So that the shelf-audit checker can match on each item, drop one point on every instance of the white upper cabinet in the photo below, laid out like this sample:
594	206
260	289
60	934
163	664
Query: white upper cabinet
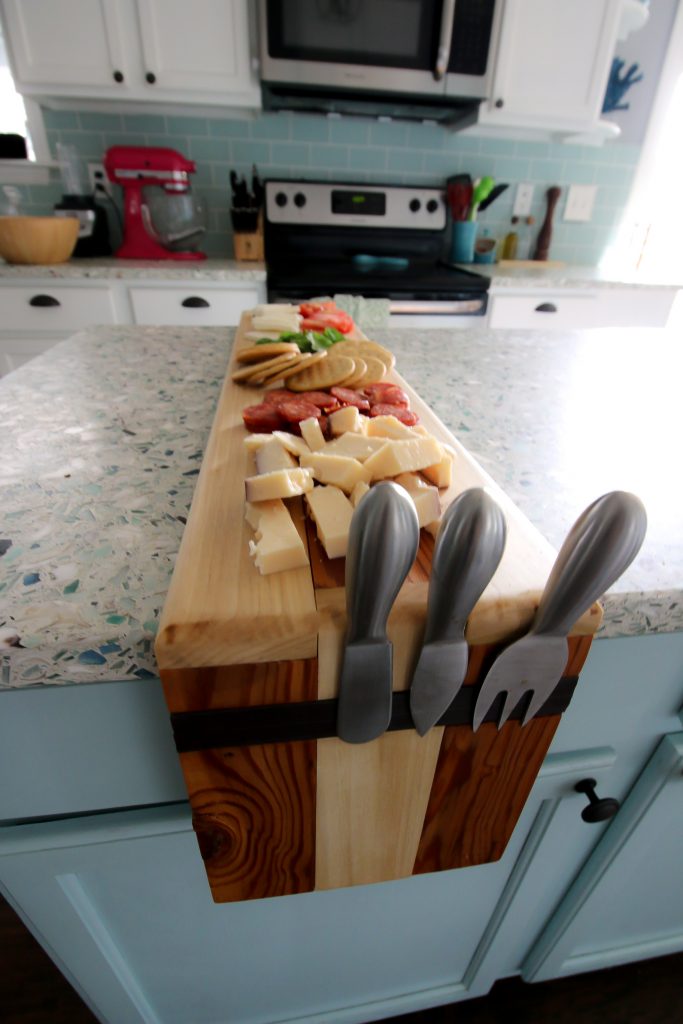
139	51
552	64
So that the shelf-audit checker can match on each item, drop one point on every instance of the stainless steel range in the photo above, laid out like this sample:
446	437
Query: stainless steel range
374	241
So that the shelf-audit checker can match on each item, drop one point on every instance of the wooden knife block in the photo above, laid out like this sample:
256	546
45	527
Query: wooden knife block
278	818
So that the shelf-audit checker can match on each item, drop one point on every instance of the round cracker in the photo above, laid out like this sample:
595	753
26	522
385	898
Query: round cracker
247	372
376	351
359	371
306	359
259	353
375	371
344	348
327	374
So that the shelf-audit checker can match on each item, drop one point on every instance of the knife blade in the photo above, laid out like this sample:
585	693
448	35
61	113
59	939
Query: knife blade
600	546
467	552
383	541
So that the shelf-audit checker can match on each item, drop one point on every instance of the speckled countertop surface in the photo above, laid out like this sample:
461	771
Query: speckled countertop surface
576	277
111	269
103	440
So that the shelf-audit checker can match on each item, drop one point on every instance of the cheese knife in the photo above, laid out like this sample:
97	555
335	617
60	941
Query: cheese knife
600	546
468	549
383	541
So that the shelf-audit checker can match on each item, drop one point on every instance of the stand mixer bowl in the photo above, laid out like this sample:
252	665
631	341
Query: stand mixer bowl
177	220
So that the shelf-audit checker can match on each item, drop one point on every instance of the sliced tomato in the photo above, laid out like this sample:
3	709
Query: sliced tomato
386	393
310	308
338	319
347	396
399	411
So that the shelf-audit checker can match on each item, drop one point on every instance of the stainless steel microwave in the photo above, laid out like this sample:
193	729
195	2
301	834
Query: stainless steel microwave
397	52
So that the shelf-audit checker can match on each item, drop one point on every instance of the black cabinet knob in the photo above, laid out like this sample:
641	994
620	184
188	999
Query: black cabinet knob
546	307
299	199
118	76
150	77
195	302
499	103
281	199
432	206
43	300
598	809
415	205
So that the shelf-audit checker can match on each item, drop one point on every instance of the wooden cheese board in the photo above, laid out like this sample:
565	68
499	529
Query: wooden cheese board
239	651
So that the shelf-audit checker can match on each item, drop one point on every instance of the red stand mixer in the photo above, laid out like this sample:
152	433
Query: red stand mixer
162	219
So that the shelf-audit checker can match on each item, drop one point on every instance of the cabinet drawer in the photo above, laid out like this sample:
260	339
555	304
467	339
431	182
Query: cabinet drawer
43	307
547	311
192	307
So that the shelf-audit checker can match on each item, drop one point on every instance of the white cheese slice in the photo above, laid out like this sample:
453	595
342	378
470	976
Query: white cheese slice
356	446
282	483
403	457
276	322
296	445
254	441
273	307
312	434
272	455
389	426
441	473
331	512
425	498
359	490
278	545
346	419
338	470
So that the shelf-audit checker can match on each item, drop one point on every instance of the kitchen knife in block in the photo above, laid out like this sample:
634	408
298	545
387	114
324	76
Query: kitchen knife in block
468	549
383	542
600	546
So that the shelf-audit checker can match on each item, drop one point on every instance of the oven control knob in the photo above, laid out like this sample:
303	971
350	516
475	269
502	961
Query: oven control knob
432	206
299	199
281	199
415	205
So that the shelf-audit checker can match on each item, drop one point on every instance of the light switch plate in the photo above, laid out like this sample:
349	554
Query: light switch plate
523	199
580	202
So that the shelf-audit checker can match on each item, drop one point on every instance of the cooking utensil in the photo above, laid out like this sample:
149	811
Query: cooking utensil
459	199
482	190
601	544
383	542
493	195
469	546
546	233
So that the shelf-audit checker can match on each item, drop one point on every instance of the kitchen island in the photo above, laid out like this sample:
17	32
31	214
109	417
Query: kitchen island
105	437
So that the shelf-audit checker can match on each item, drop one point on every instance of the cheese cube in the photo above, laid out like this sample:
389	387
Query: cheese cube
272	455
359	490
312	434
254	441
296	445
425	498
278	545
403	457
335	469
441	473
389	426
331	511
356	446
282	483
348	418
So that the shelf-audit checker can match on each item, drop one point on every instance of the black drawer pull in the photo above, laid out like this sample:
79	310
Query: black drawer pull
195	302
43	300
150	77
546	307
598	809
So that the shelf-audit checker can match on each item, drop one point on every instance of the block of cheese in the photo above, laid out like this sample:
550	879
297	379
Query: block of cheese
389	426
425	498
396	457
359	490
346	419
252	442
276	321
441	473
278	545
272	455
282	483
356	446
331	512
296	445
312	434
338	470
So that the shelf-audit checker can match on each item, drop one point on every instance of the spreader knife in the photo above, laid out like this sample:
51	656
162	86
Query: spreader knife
383	541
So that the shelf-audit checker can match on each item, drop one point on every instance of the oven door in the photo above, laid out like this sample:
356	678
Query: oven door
381	46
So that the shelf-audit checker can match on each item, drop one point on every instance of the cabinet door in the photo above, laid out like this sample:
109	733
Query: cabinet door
202	46
627	902
15	351
70	42
553	62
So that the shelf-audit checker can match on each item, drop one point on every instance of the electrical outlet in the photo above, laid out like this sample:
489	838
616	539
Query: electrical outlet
580	201
99	181
523	200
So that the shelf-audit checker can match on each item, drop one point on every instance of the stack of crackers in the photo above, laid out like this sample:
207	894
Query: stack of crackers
352	364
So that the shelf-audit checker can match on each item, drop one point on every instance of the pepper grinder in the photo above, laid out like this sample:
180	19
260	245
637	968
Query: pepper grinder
546	232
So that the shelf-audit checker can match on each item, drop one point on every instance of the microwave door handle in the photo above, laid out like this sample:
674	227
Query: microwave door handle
444	52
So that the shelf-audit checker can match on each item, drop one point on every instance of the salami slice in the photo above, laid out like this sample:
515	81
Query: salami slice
279	395
262	419
399	411
386	393
347	396
298	410
324	400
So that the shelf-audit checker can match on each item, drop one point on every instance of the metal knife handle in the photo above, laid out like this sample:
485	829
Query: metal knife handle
383	542
443	54
600	546
468	549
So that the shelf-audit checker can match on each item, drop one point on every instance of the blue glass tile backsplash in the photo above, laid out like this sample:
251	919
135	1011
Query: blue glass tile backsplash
309	146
